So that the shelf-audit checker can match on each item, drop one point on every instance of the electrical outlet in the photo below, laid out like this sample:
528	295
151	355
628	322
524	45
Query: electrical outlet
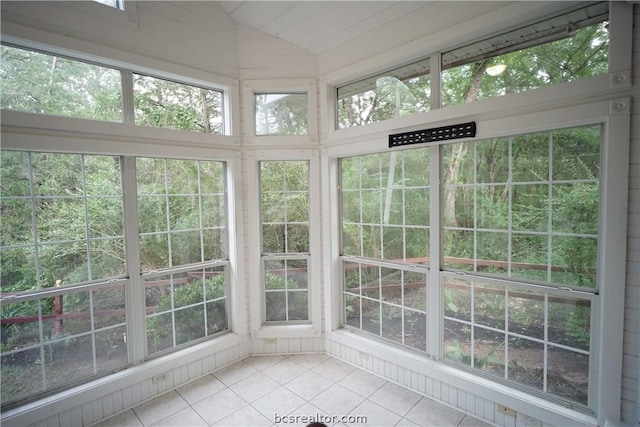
504	410
531	422
269	340
159	378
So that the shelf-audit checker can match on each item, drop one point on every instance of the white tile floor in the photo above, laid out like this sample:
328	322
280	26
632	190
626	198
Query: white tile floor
298	389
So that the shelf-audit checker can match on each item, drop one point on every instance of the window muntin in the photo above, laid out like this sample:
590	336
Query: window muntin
167	104
400	92
281	114
181	211
284	205
385	206
185	306
524	207
520	334
42	83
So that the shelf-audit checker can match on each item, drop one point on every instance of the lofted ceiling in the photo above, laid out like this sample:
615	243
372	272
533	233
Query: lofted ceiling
323	26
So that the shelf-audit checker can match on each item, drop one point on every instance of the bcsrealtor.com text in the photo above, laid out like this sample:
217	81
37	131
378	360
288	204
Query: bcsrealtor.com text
319	418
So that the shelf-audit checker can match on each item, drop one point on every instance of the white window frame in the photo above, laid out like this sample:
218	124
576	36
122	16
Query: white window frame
259	328
605	375
251	88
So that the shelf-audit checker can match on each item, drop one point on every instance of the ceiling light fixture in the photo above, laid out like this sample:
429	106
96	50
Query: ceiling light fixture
496	69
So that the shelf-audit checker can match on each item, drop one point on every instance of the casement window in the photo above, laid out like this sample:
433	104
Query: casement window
47	83
284	206
69	260
519	255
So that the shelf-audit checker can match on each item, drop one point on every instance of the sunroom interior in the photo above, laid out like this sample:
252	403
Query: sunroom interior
432	208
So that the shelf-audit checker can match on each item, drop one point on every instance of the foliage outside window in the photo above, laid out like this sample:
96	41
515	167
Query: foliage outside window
284	190
45	83
400	92
63	264
281	114
525	206
571	46
385	206
166	104
182	211
61	226
519	218
40	83
385	217
582	54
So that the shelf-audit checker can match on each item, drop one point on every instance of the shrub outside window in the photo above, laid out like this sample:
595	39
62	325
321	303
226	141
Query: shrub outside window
284	190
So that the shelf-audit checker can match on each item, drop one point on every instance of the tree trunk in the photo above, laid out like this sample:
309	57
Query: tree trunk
460	150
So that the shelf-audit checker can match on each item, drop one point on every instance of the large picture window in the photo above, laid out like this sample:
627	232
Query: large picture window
65	272
519	254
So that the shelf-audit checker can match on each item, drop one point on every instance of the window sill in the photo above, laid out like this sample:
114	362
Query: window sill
286	331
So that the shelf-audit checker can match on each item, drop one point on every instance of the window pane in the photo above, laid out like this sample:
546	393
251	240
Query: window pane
185	307
385	205
539	339
573	55
166	104
51	342
281	114
61	219
542	226
286	290
397	93
179	223
45	84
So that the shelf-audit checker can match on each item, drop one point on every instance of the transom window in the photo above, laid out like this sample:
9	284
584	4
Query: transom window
567	47
281	114
43	83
